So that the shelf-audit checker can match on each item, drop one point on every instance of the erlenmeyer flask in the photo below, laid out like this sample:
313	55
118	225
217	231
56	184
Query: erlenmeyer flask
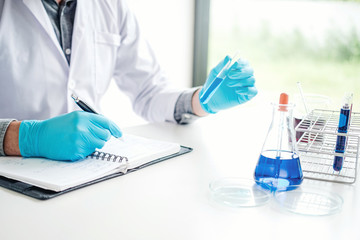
279	164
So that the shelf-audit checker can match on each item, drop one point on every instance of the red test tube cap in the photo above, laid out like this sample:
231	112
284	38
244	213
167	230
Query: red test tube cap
284	100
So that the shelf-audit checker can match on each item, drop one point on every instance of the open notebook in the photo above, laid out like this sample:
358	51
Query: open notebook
33	175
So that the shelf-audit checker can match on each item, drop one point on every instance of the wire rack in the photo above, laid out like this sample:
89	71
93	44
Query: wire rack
316	140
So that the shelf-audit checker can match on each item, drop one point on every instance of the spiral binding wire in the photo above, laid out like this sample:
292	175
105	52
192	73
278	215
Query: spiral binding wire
110	158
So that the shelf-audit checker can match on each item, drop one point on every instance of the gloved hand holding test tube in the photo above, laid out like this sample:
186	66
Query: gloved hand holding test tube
215	84
229	84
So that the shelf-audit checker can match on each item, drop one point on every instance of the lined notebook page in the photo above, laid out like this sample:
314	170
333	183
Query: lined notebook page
55	175
139	150
61	175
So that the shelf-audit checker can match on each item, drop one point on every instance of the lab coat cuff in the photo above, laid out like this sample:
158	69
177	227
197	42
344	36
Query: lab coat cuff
183	112
4	124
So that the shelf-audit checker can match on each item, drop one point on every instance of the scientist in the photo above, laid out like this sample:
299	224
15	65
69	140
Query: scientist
50	49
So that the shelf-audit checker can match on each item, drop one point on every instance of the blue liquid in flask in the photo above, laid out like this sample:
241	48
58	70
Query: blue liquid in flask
278	170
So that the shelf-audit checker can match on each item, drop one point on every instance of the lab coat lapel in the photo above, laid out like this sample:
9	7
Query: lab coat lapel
39	12
80	23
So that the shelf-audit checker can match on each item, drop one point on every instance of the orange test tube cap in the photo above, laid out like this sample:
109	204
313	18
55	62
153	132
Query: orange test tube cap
284	100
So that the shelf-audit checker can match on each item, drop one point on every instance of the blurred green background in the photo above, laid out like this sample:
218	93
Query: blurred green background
316	43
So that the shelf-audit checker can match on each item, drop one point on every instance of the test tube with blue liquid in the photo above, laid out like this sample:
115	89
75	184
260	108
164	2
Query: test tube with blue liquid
278	167
344	121
215	84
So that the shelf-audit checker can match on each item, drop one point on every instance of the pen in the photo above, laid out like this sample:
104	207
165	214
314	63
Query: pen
82	104
215	84
85	107
344	120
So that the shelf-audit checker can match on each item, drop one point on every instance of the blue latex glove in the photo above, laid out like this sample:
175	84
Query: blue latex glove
70	136
237	87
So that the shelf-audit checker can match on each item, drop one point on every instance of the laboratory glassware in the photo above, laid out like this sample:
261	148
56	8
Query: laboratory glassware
317	146
215	84
279	166
344	120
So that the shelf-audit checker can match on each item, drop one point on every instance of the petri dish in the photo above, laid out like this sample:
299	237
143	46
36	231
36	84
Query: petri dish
239	192
309	201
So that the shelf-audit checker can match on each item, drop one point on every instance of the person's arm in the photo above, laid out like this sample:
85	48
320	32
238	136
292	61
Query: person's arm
237	87
7	132
70	136
187	107
196	106
11	139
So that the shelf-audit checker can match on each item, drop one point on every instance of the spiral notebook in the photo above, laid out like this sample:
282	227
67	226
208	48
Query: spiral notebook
43	178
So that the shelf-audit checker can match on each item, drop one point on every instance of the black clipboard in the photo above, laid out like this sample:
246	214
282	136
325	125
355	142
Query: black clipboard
44	194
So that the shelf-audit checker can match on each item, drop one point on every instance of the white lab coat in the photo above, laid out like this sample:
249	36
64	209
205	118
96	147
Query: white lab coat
36	81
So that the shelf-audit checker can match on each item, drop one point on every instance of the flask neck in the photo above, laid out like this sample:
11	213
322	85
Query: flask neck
284	111
281	134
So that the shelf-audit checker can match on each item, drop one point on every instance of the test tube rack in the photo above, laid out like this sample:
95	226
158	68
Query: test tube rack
316	146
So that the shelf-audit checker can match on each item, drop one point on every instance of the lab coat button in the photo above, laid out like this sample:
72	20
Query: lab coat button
67	51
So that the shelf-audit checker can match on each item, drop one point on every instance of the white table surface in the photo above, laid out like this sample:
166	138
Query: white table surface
171	200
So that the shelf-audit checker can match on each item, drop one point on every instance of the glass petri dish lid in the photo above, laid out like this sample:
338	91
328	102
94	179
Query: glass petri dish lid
239	192
309	201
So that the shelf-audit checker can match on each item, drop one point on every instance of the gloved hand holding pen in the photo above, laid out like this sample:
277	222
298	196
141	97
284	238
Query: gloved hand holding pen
236	87
70	136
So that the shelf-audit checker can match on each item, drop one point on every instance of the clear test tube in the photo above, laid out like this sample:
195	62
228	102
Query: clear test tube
215	84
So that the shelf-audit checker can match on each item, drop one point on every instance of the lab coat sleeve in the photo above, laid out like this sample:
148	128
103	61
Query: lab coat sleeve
138	74
4	124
